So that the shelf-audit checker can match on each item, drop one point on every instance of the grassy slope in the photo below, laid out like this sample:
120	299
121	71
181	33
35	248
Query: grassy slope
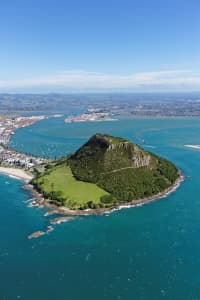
76	193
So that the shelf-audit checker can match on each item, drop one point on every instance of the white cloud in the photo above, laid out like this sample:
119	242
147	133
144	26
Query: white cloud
83	80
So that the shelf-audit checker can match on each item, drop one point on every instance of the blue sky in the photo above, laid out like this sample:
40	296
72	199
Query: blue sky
82	45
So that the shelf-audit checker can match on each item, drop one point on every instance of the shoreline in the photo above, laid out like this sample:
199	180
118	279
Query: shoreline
16	173
40	201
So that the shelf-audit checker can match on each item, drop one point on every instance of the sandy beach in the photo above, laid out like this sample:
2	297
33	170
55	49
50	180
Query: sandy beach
17	173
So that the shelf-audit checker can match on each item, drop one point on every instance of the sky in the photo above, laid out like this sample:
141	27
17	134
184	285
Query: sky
99	45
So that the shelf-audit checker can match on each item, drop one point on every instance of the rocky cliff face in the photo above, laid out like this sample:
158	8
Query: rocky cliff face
138	158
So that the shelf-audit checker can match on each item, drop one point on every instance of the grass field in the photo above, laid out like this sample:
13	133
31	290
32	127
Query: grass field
75	192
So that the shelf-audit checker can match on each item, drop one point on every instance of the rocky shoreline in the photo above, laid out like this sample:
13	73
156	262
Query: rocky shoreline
64	214
42	202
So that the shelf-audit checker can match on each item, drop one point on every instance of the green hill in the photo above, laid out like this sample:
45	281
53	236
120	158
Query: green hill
104	172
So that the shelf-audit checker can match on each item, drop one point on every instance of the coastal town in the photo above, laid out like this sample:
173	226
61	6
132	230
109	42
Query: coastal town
8	125
91	115
12	158
9	157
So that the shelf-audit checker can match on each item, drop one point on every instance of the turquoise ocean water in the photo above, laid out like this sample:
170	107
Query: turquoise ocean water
145	253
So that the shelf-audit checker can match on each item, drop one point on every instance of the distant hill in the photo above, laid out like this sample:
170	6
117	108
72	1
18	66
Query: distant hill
106	171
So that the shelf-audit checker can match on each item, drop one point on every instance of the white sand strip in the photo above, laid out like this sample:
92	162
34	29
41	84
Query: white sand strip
18	173
193	146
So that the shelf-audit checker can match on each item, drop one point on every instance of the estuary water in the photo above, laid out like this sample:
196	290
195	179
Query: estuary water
150	252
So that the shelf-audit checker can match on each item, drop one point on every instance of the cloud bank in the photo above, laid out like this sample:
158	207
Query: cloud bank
72	80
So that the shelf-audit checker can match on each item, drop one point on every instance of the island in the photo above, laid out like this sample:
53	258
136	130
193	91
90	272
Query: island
106	173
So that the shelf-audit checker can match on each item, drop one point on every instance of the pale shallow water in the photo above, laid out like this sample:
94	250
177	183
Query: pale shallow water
146	253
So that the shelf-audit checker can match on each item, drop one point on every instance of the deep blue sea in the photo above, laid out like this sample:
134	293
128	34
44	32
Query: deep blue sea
145	253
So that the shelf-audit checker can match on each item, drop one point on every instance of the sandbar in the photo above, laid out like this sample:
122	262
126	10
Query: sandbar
193	146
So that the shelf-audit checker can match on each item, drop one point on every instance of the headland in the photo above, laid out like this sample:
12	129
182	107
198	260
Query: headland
106	173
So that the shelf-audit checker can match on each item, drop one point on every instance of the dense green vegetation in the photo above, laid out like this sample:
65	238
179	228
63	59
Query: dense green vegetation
122	168
104	172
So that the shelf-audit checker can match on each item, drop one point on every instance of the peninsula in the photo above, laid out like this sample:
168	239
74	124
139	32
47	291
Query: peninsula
9	124
105	173
90	117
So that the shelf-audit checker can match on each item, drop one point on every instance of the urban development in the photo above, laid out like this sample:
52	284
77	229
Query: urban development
8	156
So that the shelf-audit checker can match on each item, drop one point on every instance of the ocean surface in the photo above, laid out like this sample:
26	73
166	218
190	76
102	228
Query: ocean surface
150	252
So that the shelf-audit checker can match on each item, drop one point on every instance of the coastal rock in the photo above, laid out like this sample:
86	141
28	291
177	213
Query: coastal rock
60	220
36	234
